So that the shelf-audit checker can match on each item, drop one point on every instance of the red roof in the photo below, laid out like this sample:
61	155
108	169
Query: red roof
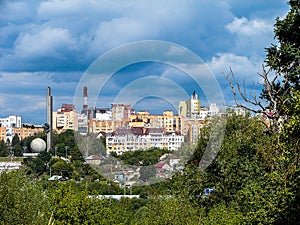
160	164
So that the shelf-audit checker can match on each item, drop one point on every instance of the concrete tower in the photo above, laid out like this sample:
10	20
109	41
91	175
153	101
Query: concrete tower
48	125
85	98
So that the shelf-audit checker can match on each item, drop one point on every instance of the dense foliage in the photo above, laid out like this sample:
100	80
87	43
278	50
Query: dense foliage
142	157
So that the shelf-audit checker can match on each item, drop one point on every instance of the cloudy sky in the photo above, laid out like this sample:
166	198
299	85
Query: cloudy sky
54	42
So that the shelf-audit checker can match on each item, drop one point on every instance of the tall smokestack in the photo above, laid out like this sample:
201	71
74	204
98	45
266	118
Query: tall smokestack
49	119
85	98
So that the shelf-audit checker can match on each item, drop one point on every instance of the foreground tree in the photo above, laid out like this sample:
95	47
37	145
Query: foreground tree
3	149
22	202
280	74
279	102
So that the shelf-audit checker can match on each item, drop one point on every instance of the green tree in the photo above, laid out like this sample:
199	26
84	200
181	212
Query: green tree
146	172
3	149
35	166
22	201
45	156
71	207
17	150
60	167
242	177
68	143
15	140
284	57
280	73
222	214
284	60
168	211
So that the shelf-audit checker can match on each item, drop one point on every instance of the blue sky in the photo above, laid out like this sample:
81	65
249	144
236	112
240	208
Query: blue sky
52	43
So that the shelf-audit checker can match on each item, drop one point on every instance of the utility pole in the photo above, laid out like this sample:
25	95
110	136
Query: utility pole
66	147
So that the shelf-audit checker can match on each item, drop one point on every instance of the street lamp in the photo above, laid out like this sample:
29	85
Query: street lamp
66	147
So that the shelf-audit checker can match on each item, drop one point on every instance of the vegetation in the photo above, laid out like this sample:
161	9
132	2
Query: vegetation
142	157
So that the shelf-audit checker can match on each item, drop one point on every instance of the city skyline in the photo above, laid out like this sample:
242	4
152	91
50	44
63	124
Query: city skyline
52	43
134	111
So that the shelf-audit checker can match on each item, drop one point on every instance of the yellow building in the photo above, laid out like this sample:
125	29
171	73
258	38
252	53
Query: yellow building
167	121
24	132
192	128
3	134
107	126
140	119
66	118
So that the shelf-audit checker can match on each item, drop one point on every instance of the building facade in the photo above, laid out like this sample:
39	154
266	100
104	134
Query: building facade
8	124
107	126
66	118
192	129
26	131
138	138
12	125
120	112
190	108
168	121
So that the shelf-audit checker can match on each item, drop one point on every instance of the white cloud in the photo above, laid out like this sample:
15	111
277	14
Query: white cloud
16	11
242	66
64	8
251	36
67	35
243	26
47	42
25	93
118	31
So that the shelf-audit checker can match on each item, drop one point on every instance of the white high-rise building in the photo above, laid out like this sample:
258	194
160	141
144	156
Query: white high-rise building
82	124
120	112
10	123
190	108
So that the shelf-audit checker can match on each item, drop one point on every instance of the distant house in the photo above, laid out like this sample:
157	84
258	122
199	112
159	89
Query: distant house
173	160
159	167
56	177
162	167
93	159
120	178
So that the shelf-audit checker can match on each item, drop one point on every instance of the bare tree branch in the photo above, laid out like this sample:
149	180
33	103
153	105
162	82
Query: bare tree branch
270	110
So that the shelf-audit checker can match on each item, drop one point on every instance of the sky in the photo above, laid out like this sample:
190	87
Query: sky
55	42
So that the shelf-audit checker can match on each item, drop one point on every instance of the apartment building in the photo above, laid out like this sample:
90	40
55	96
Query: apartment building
121	112
190	108
7	125
168	121
12	125
107	126
65	118
3	134
192	129
139	138
27	131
